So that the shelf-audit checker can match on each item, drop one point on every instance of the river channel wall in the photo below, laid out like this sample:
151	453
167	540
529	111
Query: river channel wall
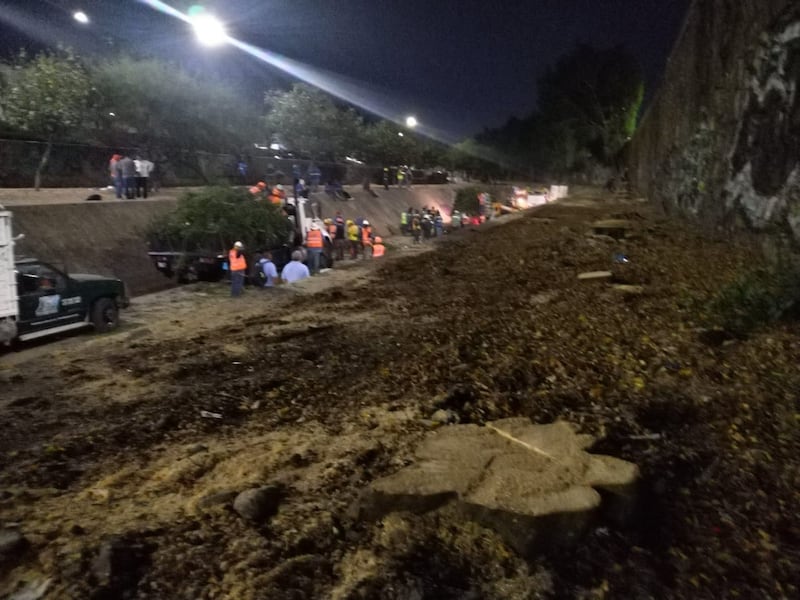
721	141
105	237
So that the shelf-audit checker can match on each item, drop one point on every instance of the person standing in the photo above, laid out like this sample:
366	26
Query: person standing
352	238
340	236
127	171
314	243
143	169
237	265
366	239
295	270
269	272
116	177
386	178
416	229
401	176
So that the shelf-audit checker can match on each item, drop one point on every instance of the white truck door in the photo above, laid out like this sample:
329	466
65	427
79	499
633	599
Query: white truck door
8	279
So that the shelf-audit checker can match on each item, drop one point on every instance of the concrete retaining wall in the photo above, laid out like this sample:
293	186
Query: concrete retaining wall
721	142
105	237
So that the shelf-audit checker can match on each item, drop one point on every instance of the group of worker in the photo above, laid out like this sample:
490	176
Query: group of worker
276	196
265	271
355	236
425	223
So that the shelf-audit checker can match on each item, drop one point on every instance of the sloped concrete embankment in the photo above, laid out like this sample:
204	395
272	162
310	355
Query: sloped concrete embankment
94	238
106	238
382	207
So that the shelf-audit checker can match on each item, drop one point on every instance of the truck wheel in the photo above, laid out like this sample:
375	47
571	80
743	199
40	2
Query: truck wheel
105	315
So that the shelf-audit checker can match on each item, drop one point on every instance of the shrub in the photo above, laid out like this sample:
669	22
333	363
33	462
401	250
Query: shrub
757	298
467	200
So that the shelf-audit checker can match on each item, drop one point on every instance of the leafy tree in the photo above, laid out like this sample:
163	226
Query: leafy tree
47	96
597	94
308	121
383	145
169	112
213	218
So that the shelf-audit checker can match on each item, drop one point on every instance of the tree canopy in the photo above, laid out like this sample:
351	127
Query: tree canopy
47	96
310	122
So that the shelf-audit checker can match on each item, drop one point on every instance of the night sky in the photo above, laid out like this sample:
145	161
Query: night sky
458	65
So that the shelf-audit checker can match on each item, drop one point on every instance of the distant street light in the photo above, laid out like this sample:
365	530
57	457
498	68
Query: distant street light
209	30
411	122
400	133
81	17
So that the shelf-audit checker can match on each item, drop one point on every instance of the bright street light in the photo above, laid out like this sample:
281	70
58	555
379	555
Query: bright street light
411	122
81	17
209	30
400	133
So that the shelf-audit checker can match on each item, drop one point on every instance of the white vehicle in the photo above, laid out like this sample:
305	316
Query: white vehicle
9	309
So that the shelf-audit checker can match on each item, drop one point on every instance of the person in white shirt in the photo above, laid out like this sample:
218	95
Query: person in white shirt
295	270
143	169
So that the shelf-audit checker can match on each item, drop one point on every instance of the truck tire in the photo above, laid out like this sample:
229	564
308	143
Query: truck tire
105	315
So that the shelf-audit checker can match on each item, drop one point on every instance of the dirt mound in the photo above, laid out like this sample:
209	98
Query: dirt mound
107	452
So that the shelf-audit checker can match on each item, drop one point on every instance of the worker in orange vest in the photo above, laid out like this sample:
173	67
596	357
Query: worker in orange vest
366	237
277	196
237	265
378	249
258	190
314	243
331	227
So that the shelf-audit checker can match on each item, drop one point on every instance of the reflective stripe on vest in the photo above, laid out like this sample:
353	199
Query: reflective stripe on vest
236	263
314	239
378	250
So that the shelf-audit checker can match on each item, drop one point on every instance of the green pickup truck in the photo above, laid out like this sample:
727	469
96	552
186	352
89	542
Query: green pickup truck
51	301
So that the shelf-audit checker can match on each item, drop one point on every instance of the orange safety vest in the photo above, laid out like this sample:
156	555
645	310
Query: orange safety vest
378	250
365	231
314	239
236	263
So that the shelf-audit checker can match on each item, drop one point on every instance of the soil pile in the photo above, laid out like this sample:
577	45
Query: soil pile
124	457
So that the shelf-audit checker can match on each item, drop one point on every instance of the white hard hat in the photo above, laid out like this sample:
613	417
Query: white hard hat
365	222
280	187
314	226
238	245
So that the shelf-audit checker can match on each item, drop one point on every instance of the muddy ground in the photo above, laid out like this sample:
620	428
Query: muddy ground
114	485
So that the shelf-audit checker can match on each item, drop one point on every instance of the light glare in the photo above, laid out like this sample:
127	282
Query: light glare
411	122
81	17
209	30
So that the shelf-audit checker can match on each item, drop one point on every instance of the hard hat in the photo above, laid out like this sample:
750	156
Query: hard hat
314	226
238	245
280	187
378	240
328	221
365	222
261	185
